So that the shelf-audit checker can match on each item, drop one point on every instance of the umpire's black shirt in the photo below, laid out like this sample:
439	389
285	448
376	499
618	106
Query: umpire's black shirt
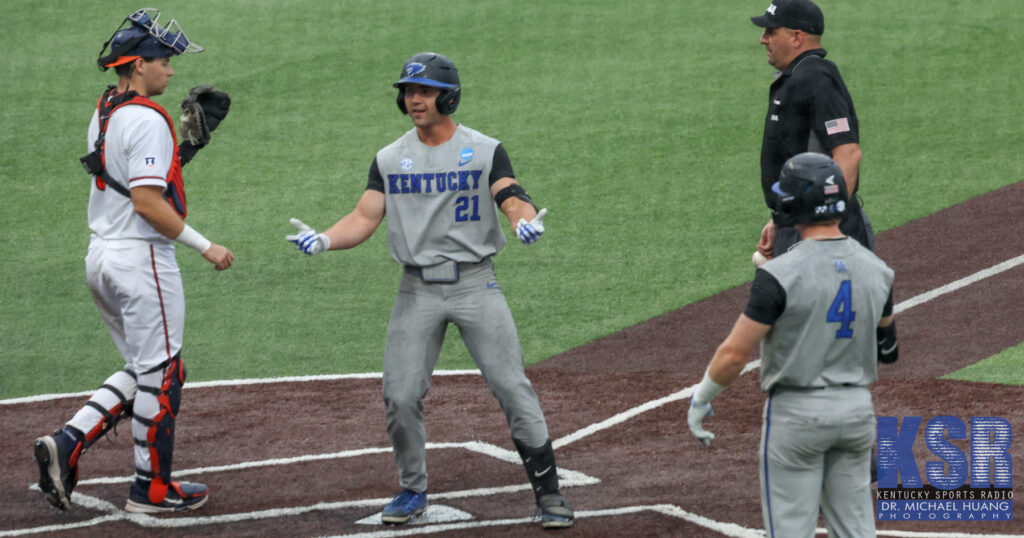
809	109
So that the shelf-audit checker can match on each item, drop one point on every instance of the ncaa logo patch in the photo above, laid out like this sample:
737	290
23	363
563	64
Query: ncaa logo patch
414	69
465	156
405	164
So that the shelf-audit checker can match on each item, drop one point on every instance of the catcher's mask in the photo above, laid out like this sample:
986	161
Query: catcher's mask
810	189
141	36
434	70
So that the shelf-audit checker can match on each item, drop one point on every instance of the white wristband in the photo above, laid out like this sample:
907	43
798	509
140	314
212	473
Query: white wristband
194	239
707	389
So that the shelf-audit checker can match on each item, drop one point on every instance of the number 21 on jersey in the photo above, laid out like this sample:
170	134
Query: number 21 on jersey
842	312
463	212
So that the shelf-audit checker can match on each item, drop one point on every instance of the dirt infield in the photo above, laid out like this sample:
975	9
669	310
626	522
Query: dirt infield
614	407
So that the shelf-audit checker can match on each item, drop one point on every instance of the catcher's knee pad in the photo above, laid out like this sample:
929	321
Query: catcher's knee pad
111	403
540	467
165	385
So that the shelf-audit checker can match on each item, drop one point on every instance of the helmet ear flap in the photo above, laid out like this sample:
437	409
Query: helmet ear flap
401	99
448	101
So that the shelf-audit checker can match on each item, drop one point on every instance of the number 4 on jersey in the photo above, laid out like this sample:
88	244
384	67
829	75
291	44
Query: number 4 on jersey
842	312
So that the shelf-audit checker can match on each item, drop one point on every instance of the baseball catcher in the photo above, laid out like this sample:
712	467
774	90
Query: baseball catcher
132	269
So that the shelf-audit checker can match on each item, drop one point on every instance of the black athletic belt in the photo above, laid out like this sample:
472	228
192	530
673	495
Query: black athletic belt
804	389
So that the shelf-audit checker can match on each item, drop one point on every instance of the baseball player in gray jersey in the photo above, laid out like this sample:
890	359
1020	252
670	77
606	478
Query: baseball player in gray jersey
823	316
441	185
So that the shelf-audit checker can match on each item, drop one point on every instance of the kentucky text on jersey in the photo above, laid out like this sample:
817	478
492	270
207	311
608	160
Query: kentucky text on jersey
434	182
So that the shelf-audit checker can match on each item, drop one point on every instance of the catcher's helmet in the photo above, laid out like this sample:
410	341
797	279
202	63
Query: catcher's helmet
431	69
810	189
143	37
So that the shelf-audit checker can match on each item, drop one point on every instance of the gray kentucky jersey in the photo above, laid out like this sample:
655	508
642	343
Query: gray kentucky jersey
438	199
836	291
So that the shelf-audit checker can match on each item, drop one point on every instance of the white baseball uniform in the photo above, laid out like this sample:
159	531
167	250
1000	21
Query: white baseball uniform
131	268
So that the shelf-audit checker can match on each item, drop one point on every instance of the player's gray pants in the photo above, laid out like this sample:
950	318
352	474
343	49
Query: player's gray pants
418	323
816	449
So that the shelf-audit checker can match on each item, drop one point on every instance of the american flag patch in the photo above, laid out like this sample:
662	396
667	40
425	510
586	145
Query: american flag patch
840	125
831	189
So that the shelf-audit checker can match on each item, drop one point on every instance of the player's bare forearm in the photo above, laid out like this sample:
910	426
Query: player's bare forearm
150	204
734	352
847	156
514	208
360	224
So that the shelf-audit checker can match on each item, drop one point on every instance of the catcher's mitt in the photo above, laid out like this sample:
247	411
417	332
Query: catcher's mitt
201	112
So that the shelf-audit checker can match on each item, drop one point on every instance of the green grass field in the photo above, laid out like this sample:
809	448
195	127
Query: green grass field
637	124
1006	367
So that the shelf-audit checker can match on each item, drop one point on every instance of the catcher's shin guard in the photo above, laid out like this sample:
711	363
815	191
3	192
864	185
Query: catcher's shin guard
158	444
111	403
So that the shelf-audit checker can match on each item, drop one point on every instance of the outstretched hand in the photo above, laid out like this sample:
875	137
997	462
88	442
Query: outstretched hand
530	232
307	239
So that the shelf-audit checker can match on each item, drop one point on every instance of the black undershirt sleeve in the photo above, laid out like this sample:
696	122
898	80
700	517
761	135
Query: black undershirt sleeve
501	166
767	299
376	181
887	309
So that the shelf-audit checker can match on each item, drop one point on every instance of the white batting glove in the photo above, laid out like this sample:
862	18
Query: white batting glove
529	232
695	418
307	239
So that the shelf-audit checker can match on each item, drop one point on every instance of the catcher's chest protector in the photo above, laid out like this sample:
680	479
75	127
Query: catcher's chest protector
107	105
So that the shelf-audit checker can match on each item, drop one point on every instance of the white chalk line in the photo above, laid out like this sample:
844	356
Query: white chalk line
236	383
958	284
567	477
572	478
905	305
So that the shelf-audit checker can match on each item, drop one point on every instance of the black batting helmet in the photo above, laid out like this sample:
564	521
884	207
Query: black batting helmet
431	69
810	189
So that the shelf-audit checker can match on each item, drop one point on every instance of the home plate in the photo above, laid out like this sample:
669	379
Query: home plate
435	513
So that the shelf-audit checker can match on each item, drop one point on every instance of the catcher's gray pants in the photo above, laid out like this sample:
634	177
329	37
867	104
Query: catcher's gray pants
816	450
419	320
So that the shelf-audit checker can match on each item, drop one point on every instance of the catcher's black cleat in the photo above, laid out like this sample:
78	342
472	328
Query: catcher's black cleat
554	511
180	497
57	456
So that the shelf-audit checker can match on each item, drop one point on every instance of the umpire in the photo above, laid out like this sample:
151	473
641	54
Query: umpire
809	109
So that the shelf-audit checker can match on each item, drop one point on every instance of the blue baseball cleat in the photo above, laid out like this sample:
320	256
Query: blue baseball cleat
404	507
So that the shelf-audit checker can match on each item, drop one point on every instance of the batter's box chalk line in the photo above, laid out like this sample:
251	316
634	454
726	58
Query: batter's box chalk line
435	514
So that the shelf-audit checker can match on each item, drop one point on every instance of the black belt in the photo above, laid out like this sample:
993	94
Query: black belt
791	387
446	272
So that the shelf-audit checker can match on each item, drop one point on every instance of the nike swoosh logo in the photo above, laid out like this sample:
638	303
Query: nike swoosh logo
463	163
491	284
539	474
888	351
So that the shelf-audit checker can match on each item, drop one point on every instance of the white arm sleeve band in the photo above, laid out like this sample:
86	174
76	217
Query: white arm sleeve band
707	389
194	239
